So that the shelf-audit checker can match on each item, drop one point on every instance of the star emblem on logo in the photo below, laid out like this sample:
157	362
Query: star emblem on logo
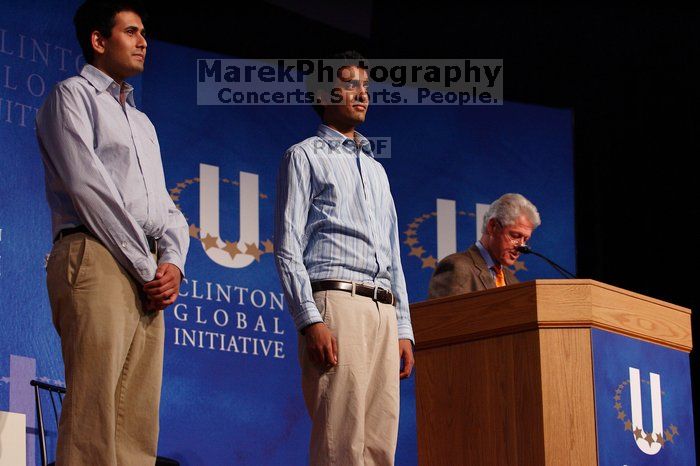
651	437
214	242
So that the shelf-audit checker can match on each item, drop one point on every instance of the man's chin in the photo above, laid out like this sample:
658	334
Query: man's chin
136	68
508	261
359	118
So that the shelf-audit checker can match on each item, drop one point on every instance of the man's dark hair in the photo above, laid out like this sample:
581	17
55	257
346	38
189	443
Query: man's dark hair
344	59
98	15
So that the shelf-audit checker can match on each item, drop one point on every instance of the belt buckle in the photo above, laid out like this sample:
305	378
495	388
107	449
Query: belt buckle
376	289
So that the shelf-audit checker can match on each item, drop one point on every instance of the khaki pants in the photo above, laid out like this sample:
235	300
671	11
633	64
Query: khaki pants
113	357
354	406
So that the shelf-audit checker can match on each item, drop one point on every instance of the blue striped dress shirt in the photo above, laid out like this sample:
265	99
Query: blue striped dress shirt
335	219
103	170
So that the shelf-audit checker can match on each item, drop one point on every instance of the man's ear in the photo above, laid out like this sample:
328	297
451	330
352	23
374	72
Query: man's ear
333	96
323	96
326	100
98	42
491	226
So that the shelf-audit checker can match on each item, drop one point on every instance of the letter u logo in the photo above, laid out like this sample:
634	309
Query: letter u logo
447	225
648	447
209	216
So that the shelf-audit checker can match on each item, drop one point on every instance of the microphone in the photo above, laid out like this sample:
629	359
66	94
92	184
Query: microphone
523	249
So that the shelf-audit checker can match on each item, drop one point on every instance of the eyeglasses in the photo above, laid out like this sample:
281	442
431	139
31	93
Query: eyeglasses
514	237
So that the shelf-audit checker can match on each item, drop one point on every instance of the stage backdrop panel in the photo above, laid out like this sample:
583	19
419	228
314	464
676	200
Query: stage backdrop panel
231	391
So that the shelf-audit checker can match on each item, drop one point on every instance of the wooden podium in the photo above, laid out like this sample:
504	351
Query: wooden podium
505	376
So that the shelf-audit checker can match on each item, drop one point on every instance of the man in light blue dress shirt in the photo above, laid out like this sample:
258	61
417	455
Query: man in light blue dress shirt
338	256
119	245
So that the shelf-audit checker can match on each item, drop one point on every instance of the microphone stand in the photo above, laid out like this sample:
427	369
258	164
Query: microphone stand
564	273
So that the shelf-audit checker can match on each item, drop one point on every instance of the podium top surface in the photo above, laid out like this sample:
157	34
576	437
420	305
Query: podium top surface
542	304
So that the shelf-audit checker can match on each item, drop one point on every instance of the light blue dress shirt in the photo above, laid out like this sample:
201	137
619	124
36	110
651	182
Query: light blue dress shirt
335	219
103	170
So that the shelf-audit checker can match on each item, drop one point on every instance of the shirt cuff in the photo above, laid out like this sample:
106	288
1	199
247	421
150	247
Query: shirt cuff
307	315
146	269
406	331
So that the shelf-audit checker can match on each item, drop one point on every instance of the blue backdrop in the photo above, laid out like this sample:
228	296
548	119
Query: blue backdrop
231	391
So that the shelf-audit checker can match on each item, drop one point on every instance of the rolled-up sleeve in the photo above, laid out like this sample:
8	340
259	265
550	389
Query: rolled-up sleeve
66	141
291	213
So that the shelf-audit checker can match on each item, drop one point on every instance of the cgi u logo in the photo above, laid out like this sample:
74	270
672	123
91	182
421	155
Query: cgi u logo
650	448
209	215
447	226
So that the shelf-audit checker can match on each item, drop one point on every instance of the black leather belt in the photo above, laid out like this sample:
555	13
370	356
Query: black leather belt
376	293
152	243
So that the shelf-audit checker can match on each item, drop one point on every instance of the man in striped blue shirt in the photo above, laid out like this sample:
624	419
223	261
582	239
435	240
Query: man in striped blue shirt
338	257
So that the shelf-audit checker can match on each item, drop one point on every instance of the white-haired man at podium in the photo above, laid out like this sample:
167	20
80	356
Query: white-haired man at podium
508	224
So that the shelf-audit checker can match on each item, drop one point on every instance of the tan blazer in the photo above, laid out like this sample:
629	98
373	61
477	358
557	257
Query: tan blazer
464	272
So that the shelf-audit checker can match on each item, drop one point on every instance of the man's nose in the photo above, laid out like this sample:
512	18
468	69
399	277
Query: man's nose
363	96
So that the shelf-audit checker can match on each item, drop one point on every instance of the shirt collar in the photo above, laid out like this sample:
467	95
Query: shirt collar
102	83
485	254
334	139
